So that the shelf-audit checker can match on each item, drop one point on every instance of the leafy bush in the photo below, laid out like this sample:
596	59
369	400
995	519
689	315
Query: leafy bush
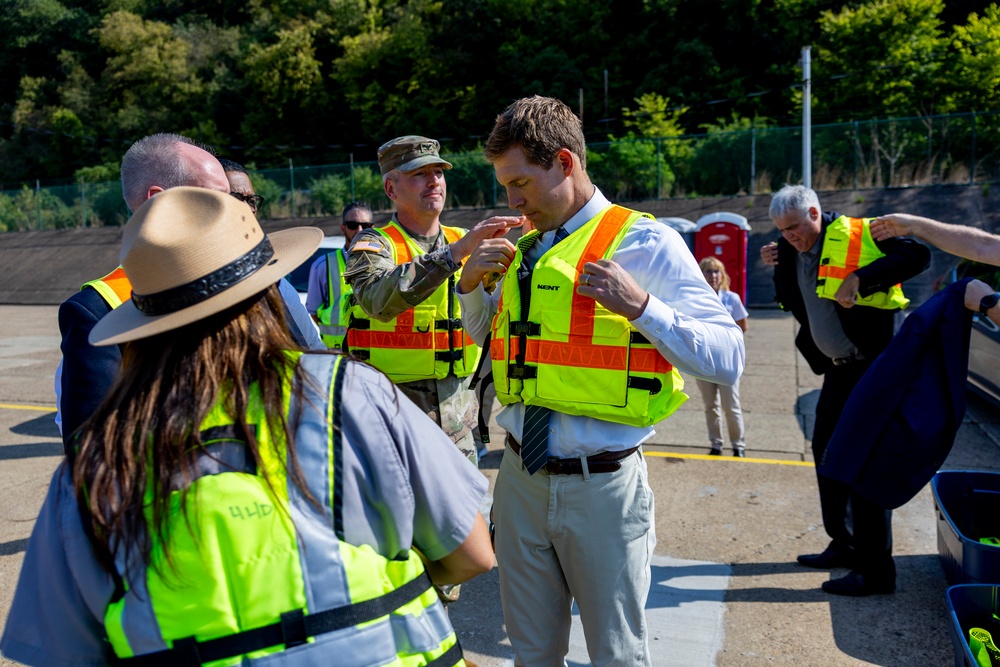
332	192
630	169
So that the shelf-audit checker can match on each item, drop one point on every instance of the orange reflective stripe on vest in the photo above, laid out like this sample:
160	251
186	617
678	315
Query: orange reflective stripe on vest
426	341
852	260
403	253
115	287
567	352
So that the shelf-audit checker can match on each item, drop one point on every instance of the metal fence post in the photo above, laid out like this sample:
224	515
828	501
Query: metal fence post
857	147
353	198
38	201
83	204
291	181
659	176
972	166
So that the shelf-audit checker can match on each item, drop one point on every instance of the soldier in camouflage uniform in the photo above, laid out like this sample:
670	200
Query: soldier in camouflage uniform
413	177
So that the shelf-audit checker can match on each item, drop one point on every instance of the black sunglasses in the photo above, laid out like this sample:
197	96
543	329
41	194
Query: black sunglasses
352	225
254	201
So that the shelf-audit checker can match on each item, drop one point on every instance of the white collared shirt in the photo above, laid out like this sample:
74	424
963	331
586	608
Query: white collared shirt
684	319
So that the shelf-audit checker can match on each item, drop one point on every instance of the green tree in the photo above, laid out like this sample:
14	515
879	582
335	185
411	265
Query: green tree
889	55
975	77
630	169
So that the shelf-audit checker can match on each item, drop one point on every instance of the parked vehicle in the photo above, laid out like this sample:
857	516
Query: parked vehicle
299	278
984	345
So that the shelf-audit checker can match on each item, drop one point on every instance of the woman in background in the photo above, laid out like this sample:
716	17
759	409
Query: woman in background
711	393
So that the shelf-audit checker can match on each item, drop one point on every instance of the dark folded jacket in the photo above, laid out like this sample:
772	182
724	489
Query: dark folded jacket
900	422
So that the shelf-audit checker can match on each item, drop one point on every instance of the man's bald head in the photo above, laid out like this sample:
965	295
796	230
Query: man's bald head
163	161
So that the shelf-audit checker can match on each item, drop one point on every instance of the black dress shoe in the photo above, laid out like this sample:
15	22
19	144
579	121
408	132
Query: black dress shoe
715	452
739	453
832	557
857	584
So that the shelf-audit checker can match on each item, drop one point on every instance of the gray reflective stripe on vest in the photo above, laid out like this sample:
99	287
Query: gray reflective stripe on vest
317	449
314	421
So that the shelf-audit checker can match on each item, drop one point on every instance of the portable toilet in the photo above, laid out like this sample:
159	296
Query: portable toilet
725	237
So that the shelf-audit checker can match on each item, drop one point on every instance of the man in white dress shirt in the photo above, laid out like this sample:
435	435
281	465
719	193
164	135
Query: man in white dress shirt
587	337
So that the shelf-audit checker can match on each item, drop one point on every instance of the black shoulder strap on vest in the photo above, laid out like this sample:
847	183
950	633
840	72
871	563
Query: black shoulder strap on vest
483	382
294	628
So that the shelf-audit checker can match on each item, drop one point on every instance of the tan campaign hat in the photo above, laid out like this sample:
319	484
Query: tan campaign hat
191	253
409	153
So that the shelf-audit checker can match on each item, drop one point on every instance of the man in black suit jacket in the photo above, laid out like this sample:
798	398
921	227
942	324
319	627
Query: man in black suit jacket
153	164
839	339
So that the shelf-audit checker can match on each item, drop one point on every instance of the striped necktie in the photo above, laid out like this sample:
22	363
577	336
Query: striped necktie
535	433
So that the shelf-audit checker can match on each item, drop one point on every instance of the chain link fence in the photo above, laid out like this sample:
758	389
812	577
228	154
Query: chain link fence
896	153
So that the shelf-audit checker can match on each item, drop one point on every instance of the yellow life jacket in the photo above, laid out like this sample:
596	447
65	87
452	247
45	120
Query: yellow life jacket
333	323
427	341
568	352
260	574
114	287
847	246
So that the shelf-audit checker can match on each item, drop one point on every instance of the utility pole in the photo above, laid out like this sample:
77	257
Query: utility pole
806	120
605	93
581	106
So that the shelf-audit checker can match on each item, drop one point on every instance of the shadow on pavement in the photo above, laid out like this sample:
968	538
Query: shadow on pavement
13	547
42	427
31	451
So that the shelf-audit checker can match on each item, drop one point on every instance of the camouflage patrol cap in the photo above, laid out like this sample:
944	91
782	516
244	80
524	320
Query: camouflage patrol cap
409	153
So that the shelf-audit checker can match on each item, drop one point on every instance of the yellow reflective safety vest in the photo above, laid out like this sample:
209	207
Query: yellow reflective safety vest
553	347
333	313
425	342
115	287
260	574
847	246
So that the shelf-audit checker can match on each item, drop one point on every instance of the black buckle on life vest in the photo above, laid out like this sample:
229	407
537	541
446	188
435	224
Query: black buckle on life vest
636	338
820	282
652	385
521	372
453	355
824	261
293	628
525	329
363	355
448	325
359	324
186	652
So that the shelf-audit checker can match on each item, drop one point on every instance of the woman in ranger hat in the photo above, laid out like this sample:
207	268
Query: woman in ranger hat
235	500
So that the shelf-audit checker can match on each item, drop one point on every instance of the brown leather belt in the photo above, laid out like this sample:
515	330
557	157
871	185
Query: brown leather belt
603	462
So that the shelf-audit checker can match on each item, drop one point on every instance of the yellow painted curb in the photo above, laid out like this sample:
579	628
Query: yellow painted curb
14	406
709	457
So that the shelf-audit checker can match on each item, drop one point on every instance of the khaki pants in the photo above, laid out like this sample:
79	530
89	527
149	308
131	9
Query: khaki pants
583	537
711	394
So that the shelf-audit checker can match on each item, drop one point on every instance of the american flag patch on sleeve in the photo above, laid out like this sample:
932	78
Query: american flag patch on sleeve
367	246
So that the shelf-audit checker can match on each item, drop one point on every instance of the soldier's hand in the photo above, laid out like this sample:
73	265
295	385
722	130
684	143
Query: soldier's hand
611	286
769	254
492	228
897	224
492	256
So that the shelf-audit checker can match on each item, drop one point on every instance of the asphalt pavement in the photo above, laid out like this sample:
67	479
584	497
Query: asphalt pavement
726	589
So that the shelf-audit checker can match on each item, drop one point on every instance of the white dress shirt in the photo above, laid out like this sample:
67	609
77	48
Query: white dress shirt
684	319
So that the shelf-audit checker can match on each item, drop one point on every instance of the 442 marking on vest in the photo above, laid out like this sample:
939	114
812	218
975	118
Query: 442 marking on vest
255	511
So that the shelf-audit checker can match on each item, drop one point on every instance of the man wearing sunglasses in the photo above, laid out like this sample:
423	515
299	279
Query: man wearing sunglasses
329	297
240	185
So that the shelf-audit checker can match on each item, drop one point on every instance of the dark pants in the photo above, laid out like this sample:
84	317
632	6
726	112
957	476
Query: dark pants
849	518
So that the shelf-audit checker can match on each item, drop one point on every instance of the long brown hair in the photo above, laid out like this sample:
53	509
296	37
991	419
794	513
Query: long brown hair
147	429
